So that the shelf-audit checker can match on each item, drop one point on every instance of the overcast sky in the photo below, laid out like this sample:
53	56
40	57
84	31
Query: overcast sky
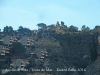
28	13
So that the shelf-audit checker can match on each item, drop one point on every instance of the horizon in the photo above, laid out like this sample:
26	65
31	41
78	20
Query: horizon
28	13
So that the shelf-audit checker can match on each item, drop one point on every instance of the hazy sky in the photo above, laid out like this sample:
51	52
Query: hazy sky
28	13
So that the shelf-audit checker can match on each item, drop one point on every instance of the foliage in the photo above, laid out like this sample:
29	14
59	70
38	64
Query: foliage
18	49
25	31
8	30
41	25
74	45
94	47
85	29
73	29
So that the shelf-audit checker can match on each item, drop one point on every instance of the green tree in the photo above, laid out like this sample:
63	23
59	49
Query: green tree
85	29
41	25
8	30
73	29
18	49
25	31
5	30
20	30
94	47
97	28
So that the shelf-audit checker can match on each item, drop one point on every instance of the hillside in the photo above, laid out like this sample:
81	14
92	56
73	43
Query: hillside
52	47
94	68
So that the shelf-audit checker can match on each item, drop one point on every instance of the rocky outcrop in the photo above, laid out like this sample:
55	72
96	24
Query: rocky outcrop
94	68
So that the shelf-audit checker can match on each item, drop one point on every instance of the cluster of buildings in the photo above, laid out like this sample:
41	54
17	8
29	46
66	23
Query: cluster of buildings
19	63
43	53
4	50
7	41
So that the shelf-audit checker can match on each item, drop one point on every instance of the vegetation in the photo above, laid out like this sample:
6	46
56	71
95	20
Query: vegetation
17	49
94	47
66	46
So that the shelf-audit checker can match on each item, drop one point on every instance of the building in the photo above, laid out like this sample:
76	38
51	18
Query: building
2	50
26	41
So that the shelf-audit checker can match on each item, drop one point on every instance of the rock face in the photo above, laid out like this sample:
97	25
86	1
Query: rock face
94	68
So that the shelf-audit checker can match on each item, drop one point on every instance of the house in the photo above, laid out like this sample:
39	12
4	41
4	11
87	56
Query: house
2	51
42	57
3	54
1	40
8	40
7	52
27	41
44	53
30	41
32	53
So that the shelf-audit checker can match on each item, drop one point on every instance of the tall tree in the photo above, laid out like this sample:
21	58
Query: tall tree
20	30
8	30
41	25
73	29
85	29
5	30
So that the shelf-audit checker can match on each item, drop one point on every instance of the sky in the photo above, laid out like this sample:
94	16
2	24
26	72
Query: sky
28	13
